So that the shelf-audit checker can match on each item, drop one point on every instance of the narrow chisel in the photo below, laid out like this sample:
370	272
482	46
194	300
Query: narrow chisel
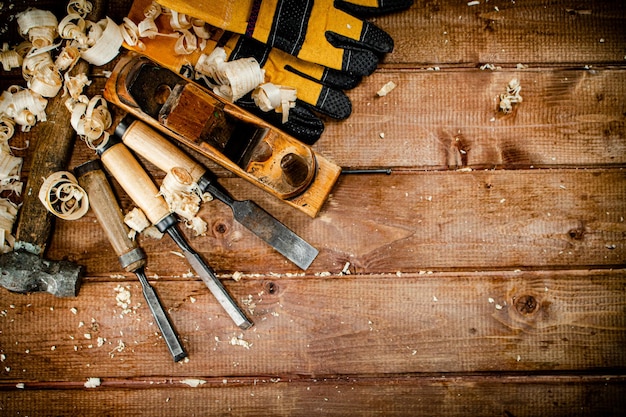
131	176
151	145
132	258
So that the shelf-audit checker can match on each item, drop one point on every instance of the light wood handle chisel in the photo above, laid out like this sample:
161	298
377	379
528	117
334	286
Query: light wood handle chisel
132	258
131	176
157	149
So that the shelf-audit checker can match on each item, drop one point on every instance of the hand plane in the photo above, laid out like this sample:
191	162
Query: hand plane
230	136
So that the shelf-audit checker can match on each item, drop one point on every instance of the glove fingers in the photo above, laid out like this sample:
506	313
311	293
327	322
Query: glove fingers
361	56
364	8
333	103
303	124
317	86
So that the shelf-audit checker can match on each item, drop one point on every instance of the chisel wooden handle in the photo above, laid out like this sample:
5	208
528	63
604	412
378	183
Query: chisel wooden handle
134	180
133	259
150	144
104	204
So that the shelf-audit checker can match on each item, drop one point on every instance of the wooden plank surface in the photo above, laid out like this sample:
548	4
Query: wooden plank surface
484	276
327	327
489	219
406	396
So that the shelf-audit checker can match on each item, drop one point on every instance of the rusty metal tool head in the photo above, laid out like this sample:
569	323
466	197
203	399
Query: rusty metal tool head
25	269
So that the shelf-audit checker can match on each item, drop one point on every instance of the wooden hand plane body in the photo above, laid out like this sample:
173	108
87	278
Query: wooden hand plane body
230	136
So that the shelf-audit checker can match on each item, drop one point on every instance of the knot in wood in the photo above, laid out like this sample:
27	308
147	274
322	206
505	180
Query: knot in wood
526	304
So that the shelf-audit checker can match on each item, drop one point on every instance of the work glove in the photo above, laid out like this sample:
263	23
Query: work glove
319	31
318	89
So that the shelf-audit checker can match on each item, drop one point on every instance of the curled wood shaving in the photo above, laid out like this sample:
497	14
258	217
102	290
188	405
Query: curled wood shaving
38	26
182	196
511	97
73	27
46	81
33	62
10	58
139	223
90	119
279	98
7	128
233	79
179	21
8	213
68	57
73	86
105	39
63	197
10	166
23	106
79	7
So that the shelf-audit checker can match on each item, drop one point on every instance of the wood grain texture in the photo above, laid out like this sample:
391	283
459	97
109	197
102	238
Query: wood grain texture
450	118
406	396
483	219
336	326
485	276
536	32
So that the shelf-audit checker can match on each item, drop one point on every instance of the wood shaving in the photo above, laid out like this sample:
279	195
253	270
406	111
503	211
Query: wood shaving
90	118
93	383
269	96
194	383
123	299
63	197
38	26
230	79
386	89
10	58
511	97
239	341
105	38
183	198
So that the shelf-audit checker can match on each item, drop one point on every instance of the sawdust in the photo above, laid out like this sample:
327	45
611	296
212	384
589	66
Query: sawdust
239	341
93	383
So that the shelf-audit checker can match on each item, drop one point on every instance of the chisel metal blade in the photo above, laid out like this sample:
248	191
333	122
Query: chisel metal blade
212	282
273	232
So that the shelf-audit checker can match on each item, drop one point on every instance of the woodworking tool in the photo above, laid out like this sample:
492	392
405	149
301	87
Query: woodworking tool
25	269
230	136
121	163
148	143
131	257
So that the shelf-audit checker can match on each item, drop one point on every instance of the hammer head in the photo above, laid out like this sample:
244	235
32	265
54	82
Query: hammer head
23	272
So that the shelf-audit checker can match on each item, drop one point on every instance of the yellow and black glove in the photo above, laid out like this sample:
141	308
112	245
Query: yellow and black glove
318	89
318	31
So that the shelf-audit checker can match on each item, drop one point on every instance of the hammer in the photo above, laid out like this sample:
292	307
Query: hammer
25	269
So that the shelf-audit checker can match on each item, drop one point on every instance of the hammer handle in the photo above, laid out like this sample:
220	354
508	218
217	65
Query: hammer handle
104	204
150	144
135	181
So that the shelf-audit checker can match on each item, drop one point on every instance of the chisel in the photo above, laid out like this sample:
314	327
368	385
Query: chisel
121	163
132	257
150	144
